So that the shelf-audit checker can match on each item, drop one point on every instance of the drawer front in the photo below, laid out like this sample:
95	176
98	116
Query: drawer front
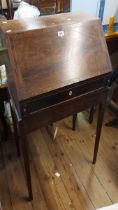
60	111
37	104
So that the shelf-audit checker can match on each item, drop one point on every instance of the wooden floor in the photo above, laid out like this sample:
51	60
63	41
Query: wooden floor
63	176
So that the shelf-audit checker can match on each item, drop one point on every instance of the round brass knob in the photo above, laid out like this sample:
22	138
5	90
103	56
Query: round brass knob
70	93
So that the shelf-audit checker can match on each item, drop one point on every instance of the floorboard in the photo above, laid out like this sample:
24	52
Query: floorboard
63	177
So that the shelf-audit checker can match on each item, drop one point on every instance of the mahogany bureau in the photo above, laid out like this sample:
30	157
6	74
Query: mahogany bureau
56	66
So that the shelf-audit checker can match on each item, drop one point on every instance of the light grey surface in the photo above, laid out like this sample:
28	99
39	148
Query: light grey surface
111	207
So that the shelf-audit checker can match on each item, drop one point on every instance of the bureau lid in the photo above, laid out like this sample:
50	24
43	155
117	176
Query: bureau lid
27	24
50	53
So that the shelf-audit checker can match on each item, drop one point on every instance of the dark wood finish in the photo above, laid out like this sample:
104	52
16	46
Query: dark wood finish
44	4
64	6
98	131
74	121
3	97
28	74
47	4
56	67
26	159
92	110
112	44
16	134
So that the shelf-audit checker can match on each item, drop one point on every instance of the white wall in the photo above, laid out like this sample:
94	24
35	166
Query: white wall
88	6
92	7
111	9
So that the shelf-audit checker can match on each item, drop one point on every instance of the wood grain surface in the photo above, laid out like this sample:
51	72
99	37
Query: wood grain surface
42	60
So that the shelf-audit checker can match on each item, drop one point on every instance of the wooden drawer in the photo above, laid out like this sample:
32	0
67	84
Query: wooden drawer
38	103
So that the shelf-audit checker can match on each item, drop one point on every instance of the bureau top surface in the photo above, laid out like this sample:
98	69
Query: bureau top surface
15	26
49	53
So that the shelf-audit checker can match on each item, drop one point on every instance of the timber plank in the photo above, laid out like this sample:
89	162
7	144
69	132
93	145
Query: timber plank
5	201
106	168
16	178
80	184
83	166
52	186
74	189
